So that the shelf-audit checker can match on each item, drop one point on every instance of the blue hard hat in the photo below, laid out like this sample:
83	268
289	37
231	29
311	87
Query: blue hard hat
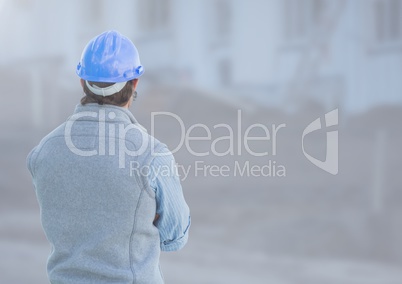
110	57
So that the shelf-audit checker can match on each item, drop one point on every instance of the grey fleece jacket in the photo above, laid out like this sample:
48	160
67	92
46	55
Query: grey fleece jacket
97	213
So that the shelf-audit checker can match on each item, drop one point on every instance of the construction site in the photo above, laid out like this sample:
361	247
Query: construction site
273	217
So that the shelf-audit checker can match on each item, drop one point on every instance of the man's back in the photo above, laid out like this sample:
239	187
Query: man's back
97	215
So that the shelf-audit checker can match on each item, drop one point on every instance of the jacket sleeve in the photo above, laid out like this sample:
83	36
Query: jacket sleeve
174	214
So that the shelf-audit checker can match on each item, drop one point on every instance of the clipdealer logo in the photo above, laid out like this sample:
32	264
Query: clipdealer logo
330	164
112	141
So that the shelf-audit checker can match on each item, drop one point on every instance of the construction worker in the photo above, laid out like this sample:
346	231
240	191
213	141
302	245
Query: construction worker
108	205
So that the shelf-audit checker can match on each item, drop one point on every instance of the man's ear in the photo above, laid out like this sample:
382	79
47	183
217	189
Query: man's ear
135	83
82	82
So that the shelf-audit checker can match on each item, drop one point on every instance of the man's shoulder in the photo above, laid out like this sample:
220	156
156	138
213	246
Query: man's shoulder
58	132
137	133
55	133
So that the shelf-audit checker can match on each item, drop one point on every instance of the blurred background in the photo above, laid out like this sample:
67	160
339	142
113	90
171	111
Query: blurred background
277	61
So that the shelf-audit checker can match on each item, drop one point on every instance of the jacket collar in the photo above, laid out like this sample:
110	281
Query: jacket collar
107	113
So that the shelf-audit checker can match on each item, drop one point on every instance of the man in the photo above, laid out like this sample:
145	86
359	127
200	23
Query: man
108	204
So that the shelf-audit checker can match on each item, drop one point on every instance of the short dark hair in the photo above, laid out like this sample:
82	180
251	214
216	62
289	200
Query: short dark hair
119	99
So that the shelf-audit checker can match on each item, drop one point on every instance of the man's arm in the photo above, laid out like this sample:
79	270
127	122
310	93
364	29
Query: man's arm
172	213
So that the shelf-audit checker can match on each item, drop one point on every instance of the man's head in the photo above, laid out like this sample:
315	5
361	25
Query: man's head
109	69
